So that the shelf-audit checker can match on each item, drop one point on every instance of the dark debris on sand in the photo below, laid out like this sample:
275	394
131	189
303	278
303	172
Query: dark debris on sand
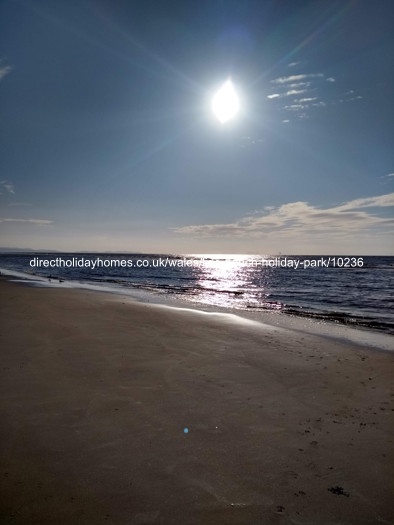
339	491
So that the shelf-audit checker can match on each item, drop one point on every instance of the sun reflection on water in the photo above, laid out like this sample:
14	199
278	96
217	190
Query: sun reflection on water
226	281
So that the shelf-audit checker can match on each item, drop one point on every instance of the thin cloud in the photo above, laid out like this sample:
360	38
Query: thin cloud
297	85
292	86
275	95
4	71
303	100
296	78
295	92
289	93
301	218
294	107
7	186
29	221
248	142
386	179
369	202
309	85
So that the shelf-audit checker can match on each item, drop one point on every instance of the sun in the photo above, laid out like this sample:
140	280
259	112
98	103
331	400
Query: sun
225	103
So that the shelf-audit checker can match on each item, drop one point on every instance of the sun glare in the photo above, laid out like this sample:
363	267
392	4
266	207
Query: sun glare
225	104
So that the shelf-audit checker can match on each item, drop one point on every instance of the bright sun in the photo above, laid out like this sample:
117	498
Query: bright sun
225	104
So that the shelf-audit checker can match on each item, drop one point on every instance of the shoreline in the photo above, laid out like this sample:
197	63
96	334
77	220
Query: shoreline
337	309
340	332
129	413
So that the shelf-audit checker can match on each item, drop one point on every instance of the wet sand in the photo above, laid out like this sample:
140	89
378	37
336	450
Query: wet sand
125	413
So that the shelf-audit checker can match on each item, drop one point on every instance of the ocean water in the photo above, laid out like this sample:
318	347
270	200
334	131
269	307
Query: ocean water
356	291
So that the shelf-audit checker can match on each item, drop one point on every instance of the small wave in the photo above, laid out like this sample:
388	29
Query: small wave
343	318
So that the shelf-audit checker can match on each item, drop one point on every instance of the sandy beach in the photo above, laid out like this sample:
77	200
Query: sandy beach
126	413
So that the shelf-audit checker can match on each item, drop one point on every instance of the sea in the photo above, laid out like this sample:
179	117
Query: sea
354	291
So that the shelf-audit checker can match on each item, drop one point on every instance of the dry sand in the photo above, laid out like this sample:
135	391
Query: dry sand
96	394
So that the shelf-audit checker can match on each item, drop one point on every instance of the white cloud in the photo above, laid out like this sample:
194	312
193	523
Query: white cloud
296	78
308	84
369	202
303	100
275	95
301	218
30	221
295	92
296	85
289	93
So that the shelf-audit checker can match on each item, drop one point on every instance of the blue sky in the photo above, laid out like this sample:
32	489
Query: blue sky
109	142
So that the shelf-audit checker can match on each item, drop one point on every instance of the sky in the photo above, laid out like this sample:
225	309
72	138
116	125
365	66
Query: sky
109	142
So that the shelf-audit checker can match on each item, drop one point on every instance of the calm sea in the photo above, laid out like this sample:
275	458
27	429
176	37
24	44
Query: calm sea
357	291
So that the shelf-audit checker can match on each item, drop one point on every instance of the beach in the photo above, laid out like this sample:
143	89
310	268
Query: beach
119	412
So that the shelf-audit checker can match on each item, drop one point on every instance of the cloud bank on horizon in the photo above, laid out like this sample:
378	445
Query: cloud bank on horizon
339	225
